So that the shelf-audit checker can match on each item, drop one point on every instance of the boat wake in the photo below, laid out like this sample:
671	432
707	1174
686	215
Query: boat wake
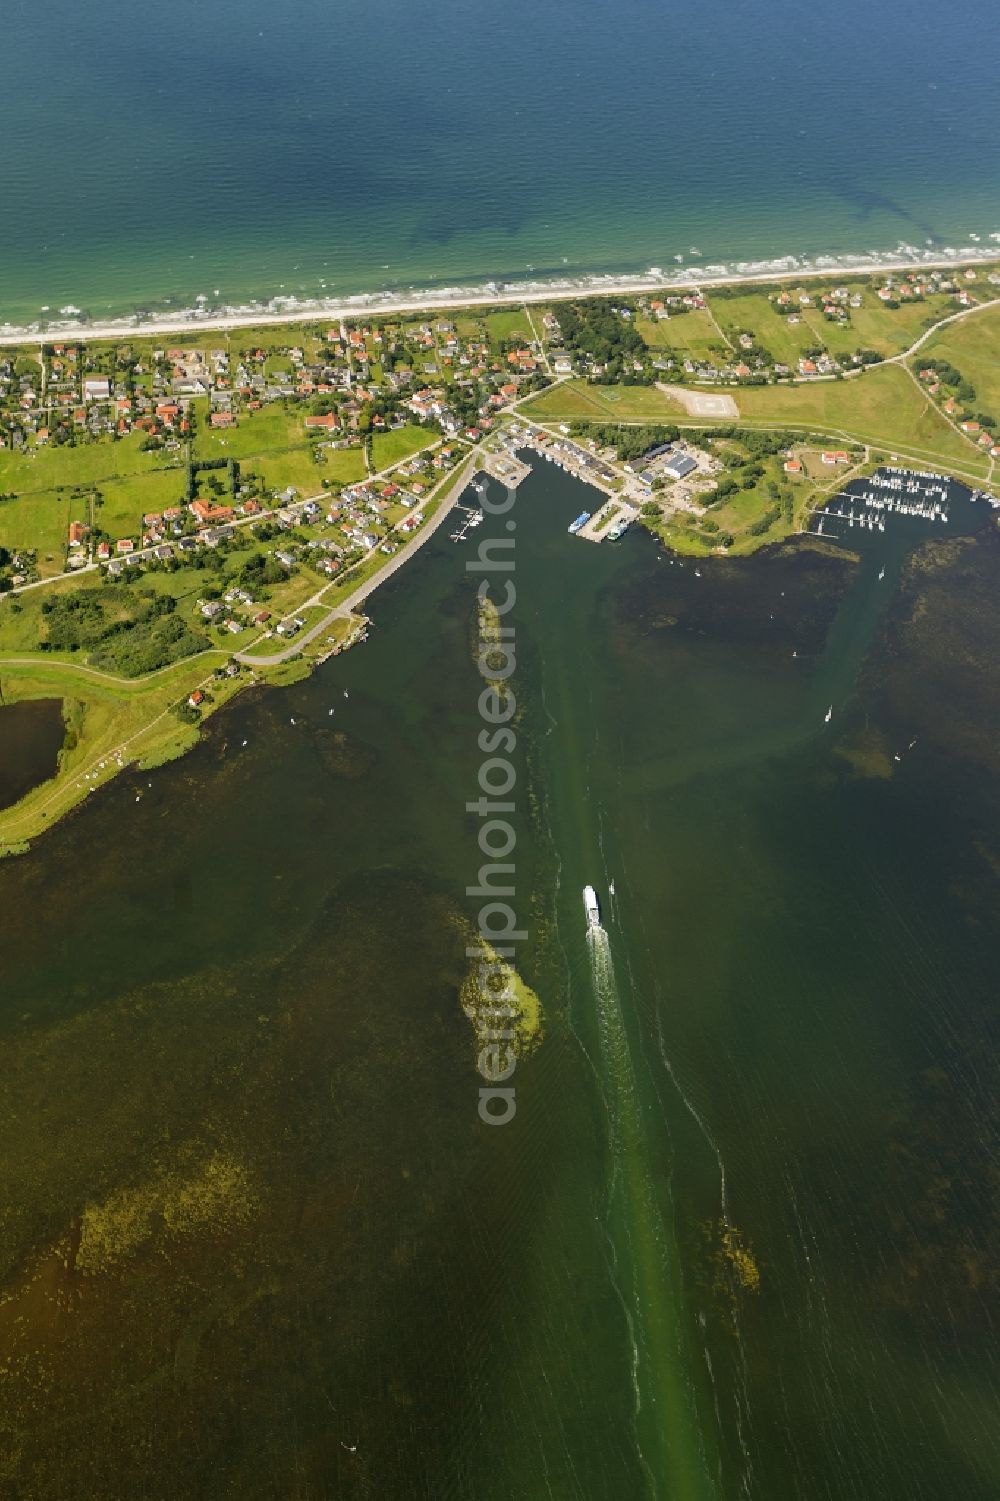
646	1263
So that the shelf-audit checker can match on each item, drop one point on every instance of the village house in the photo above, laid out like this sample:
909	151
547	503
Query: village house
206	512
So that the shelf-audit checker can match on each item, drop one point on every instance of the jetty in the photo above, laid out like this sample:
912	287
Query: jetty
611	521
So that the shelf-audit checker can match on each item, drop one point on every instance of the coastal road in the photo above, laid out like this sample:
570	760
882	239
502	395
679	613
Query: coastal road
348	606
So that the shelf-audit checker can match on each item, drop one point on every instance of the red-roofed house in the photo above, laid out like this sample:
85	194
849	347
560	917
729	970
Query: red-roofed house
207	512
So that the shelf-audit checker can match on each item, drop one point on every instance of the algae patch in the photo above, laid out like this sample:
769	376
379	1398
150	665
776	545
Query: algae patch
214	1194
495	997
730	1267
494	648
867	753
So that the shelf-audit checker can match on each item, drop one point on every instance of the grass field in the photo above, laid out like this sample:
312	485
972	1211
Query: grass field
692	333
274	444
578	399
40	521
40	518
110	718
754	314
274	427
882	408
267	337
508	323
124	502
292	466
872	326
973	347
343	465
58	465
393	447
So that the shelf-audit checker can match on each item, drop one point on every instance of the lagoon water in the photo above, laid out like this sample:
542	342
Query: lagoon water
736	1242
31	737
250	150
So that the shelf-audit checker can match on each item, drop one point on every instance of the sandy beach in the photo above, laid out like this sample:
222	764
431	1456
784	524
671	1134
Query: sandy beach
292	311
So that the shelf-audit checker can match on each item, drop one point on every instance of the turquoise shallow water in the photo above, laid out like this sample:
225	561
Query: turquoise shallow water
247	149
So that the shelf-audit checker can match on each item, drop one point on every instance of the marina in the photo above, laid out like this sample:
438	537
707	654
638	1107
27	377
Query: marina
473	518
889	496
569	456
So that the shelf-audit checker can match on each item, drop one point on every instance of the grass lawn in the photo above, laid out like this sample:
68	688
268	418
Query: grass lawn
890	330
293	466
871	326
692	333
41	521
124	502
882	408
392	447
274	427
85	464
273	443
509	323
268	337
468	326
578	399
346	466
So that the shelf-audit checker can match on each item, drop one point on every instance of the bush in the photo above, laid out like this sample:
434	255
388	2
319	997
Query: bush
125	631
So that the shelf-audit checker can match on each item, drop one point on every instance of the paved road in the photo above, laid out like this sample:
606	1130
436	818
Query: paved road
349	605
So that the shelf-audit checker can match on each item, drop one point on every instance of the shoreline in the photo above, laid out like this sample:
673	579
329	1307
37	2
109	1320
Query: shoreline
96	760
292	310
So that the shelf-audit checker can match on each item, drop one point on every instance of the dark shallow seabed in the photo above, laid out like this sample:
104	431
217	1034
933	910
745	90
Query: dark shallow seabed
256	1242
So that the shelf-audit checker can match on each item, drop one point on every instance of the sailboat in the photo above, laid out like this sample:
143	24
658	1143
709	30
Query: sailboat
829	715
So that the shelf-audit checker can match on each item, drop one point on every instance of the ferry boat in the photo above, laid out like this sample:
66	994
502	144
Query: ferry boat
581	520
592	907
